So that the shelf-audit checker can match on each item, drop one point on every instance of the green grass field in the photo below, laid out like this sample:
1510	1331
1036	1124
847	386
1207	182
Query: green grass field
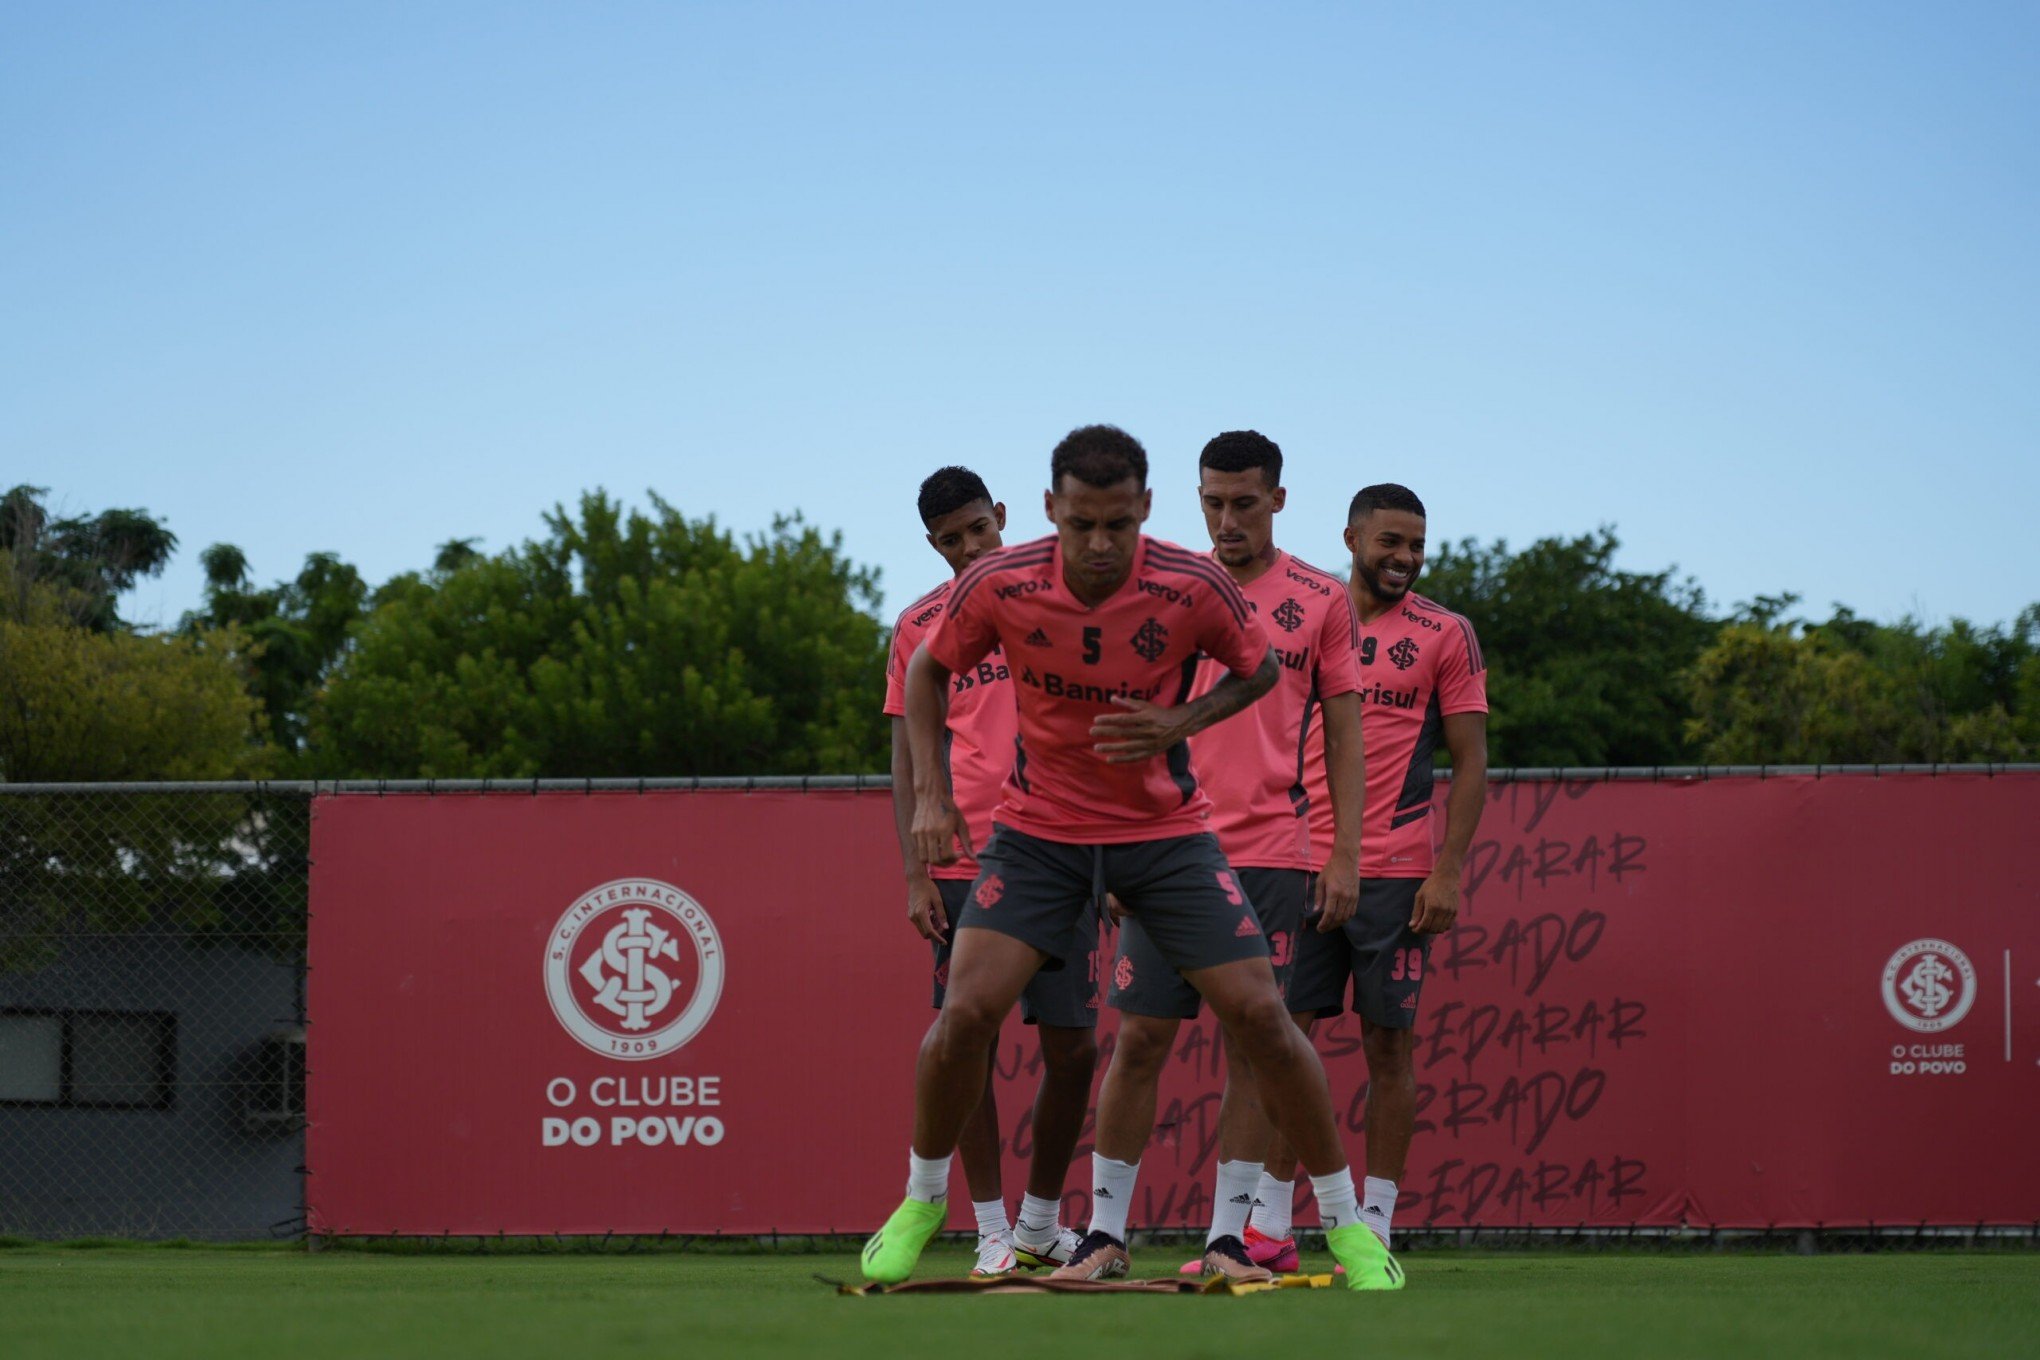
147	1302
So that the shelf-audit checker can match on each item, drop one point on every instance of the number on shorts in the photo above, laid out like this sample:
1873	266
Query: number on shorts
1231	888
1408	966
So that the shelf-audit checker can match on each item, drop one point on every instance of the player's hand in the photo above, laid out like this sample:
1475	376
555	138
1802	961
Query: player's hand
1144	730
1437	905
1115	908
1338	895
924	909
938	829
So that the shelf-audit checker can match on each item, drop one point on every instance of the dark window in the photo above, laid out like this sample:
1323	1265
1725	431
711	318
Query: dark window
88	1060
274	1092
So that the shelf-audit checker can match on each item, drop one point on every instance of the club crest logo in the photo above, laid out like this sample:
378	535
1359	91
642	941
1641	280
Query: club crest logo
1151	639
1288	615
1929	986
634	969
1403	654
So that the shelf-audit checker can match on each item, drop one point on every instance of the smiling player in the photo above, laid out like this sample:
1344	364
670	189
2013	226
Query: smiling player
1423	682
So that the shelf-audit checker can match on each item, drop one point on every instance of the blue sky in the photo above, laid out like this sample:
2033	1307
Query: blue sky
1756	284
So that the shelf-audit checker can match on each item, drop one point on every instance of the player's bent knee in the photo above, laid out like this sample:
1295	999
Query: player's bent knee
968	1021
1144	1043
1069	1053
1260	1029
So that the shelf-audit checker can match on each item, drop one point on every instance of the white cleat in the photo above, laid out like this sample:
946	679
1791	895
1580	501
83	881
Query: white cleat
995	1257
1052	1256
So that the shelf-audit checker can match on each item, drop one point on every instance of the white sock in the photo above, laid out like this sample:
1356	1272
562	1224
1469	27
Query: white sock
991	1217
927	1177
1111	1194
1274	1201
1039	1222
1379	1209
1337	1204
1233	1200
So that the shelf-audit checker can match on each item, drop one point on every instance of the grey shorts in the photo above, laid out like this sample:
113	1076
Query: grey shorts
1377	950
1144	984
1042	892
1064	995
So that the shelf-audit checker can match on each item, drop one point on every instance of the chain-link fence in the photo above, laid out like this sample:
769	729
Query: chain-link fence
152	997
152	1012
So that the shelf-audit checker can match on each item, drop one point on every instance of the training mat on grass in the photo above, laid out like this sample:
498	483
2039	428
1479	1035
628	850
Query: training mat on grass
1008	1284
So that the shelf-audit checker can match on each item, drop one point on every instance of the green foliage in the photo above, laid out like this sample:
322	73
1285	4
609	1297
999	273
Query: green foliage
78	705
1783	691
82	705
82	564
618	644
1584	659
293	632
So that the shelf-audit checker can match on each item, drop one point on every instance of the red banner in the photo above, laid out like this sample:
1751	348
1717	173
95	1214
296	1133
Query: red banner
1737	1002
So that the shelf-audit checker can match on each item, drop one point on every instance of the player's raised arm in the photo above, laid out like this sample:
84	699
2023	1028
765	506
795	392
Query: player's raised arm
937	825
1145	730
1227	633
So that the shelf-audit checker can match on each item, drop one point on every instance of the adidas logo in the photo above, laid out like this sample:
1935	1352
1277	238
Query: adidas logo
1247	927
1102	1193
1037	638
1370	1209
1243	1199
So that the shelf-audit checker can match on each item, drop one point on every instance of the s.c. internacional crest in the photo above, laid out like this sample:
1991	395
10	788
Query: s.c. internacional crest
634	969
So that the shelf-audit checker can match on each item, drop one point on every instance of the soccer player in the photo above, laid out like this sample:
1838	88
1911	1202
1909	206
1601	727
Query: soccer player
963	524
1261	794
1102	628
1422	682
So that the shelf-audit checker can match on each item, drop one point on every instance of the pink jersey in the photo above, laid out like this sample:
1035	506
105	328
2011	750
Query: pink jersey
1068	661
1419	663
982	724
1252	764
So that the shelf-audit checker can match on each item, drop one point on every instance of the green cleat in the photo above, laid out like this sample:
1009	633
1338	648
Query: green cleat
1368	1264
890	1255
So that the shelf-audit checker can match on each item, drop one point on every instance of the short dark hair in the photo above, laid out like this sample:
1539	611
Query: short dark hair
950	488
1242	451
1384	496
1098	455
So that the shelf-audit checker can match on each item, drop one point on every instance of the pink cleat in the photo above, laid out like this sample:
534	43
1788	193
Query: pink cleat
1276	1253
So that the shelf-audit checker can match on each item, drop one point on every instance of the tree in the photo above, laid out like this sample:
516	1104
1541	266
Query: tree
1772	690
618	644
82	564
1775	696
293	632
1585	660
80	705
